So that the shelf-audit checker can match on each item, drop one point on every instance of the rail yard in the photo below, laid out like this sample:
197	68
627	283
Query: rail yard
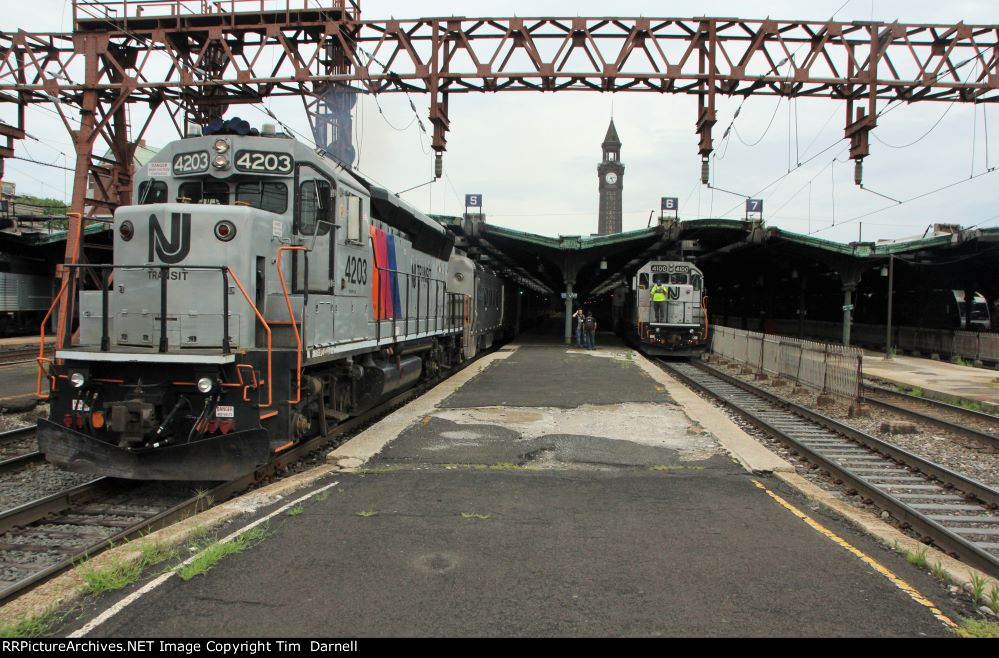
259	380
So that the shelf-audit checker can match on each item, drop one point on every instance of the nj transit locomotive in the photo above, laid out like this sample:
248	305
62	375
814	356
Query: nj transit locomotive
680	327
258	294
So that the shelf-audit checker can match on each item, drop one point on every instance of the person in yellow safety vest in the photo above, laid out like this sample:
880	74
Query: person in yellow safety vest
658	293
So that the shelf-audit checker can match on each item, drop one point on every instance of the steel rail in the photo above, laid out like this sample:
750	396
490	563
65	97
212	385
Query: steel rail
17	432
15	463
63	503
776	416
971	414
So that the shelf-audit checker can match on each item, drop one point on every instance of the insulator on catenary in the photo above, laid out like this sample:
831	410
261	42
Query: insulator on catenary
858	172
704	170
438	166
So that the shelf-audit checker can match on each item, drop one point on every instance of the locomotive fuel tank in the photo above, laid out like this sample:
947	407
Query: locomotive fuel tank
383	377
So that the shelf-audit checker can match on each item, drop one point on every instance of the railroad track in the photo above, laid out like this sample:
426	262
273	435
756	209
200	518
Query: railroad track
959	515
18	448
45	537
21	354
979	426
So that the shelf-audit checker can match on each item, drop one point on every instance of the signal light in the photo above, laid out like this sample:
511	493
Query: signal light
97	420
225	230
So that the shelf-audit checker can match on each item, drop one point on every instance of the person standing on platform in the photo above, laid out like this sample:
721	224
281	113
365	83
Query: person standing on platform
578	317
590	331
658	293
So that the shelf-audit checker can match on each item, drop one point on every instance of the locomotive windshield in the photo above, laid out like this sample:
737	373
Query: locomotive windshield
678	279
152	192
269	195
208	191
265	195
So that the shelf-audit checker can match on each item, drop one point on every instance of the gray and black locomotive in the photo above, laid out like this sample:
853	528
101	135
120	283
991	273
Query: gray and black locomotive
259	293
676	324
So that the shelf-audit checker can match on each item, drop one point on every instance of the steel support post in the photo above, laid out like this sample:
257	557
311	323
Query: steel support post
568	312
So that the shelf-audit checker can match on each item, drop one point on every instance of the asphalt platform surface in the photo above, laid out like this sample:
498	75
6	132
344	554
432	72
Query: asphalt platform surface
558	493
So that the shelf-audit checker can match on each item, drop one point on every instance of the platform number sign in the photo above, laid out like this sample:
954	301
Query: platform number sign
754	205
670	204
473	200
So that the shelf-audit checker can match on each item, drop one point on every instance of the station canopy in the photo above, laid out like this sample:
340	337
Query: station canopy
727	250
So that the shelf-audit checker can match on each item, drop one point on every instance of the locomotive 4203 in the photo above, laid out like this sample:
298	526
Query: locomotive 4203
258	294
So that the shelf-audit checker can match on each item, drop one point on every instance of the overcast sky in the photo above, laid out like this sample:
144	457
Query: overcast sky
534	156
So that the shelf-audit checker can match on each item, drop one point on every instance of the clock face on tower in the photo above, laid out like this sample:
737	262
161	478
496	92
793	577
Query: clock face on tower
611	178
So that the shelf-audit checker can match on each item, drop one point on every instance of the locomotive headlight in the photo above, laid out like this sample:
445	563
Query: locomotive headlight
205	384
221	146
221	162
126	230
77	379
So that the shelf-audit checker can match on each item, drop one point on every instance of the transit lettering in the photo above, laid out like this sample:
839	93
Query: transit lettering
172	275
419	272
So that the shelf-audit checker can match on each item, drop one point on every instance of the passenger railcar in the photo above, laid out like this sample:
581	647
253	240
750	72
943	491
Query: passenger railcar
258	294
25	294
677	326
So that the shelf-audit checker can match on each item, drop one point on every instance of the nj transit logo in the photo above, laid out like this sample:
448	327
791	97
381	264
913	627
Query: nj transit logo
175	248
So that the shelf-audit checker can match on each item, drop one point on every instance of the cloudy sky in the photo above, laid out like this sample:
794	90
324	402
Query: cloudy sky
533	156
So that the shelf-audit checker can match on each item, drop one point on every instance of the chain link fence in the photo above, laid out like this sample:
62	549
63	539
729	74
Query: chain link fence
822	367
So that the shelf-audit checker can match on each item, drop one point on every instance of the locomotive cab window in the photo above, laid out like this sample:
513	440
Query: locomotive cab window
695	280
152	192
678	279
269	196
643	281
314	198
204	192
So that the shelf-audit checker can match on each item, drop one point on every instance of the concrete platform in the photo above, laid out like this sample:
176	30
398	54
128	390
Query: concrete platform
941	380
545	491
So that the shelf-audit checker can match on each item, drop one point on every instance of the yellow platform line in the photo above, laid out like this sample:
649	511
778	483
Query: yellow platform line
874	564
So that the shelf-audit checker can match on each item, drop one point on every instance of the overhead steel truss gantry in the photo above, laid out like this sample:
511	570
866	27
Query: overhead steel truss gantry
127	59
195	58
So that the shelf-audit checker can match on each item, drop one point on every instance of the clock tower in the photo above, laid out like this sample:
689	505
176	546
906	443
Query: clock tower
611	174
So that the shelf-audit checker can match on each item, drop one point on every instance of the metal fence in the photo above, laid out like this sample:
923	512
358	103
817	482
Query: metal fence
947	343
820	366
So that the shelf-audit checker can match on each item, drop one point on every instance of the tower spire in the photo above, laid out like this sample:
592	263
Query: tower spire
611	139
